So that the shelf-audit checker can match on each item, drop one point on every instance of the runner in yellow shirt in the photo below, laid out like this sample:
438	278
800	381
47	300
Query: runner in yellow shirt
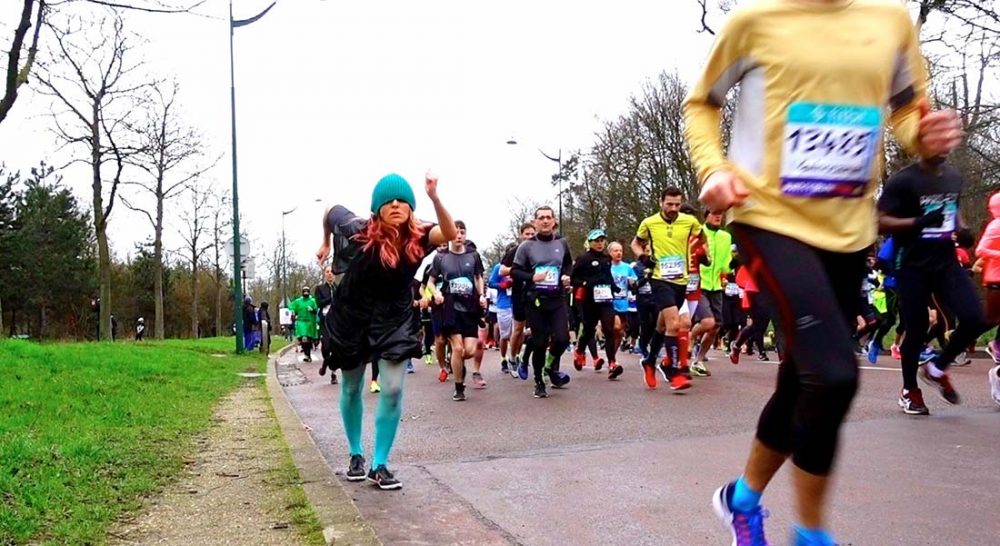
662	245
817	79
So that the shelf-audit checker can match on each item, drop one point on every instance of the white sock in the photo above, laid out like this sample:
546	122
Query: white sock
934	371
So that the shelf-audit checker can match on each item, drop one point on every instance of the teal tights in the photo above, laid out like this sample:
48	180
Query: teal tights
387	413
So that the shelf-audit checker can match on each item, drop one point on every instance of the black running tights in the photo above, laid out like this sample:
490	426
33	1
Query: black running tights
592	314
955	291
812	295
549	322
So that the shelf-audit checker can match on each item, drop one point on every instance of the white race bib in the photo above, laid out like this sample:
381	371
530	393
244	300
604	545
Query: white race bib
671	267
732	289
829	150
551	281
948	205
694	282
462	286
602	293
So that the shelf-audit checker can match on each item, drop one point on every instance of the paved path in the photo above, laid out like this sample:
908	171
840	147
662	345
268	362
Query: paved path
614	463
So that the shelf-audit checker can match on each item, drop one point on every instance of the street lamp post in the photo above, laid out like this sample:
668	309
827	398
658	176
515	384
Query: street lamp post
237	269
284	259
558	160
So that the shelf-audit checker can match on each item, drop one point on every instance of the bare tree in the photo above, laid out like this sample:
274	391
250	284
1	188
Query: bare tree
170	154
93	84
197	222
40	12
221	226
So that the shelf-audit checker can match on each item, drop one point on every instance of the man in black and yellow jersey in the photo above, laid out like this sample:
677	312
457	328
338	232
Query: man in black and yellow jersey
662	245
819	81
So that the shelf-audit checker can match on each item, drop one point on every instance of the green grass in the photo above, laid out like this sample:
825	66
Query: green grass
296	503
87	429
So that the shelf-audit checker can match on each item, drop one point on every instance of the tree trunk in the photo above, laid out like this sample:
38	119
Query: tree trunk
218	307
100	228
158	322
194	296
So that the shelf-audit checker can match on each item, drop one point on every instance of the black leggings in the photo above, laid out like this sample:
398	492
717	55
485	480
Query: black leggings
812	295
592	314
888	318
754	334
549	322
955	291
647	323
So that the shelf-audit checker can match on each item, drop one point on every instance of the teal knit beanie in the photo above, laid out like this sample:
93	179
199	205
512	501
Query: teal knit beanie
392	186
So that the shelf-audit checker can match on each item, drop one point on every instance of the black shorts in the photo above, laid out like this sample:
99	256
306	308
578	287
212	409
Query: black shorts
667	294
714	300
517	307
463	323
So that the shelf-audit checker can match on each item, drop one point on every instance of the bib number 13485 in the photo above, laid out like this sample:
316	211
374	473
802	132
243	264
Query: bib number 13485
829	150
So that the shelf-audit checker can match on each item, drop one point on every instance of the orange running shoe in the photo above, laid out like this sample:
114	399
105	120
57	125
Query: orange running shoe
678	382
649	374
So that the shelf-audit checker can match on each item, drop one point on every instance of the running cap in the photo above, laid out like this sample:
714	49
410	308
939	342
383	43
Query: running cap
392	187
596	234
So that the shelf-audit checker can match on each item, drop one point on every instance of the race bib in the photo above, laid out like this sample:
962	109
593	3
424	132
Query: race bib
732	289
948	205
551	281
602	293
671	267
829	150
510	291
694	282
462	286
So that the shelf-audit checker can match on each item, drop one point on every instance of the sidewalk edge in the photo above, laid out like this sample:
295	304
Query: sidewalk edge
339	516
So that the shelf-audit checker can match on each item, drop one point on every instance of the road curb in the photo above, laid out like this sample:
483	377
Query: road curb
338	515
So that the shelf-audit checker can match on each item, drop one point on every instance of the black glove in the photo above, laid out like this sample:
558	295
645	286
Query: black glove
932	219
964	238
647	261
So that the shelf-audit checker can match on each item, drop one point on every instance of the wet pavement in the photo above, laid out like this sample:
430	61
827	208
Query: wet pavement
615	463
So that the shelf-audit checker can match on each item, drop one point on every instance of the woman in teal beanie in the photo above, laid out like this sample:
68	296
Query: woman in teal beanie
375	260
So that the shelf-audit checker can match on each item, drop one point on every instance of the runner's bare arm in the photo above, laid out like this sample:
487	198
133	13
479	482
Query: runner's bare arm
445	230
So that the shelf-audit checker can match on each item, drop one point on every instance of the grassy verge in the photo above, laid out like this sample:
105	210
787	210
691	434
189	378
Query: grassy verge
87	429
303	517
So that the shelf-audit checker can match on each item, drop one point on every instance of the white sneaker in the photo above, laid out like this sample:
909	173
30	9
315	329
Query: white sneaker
995	384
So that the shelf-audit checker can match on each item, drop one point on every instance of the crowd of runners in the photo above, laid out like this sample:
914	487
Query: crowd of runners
789	243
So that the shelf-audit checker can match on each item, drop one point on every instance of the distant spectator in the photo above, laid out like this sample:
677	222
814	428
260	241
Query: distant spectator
140	329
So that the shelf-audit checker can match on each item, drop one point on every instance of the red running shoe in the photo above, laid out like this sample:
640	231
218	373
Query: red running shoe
649	374
679	383
579	359
443	376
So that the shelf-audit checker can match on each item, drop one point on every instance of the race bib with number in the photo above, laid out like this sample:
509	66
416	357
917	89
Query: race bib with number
948	205
671	267
694	282
510	291
602	293
551	281
645	288
462	286
829	150
732	289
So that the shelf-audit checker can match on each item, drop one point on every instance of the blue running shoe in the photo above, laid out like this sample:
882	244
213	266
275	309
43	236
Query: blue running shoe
747	527
873	351
409	366
801	537
927	355
522	370
559	379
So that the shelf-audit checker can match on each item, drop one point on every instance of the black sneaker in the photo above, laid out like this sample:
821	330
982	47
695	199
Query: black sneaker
383	478
459	395
540	390
356	469
333	378
763	357
503	367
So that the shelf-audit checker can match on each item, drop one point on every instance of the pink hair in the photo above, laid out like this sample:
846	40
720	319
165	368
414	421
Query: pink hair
388	241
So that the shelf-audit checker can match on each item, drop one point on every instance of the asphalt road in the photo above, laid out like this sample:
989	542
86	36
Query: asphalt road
615	463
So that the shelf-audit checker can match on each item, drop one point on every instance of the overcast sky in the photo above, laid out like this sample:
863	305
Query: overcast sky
332	95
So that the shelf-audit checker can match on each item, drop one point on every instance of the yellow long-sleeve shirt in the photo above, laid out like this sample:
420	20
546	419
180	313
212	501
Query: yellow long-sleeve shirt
816	81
